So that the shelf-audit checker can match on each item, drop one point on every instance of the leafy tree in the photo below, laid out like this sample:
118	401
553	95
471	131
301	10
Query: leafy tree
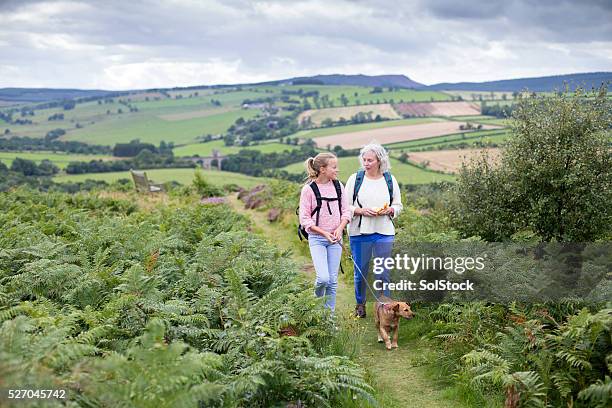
554	177
24	166
47	168
54	134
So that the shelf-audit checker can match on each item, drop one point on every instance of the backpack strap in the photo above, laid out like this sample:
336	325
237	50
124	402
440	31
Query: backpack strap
317	193
358	183
389	181
339	195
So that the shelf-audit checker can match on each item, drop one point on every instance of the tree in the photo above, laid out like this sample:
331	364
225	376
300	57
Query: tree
327	122
553	178
344	100
47	168
24	166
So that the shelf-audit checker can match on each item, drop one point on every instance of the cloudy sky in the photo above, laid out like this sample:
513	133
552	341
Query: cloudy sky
121	44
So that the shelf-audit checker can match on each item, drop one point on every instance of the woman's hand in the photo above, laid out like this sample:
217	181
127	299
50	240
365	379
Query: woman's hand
388	211
366	212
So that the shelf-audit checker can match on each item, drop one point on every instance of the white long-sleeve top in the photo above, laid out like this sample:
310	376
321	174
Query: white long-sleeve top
373	193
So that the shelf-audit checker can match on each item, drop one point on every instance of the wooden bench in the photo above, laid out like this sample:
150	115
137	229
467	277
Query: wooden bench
143	184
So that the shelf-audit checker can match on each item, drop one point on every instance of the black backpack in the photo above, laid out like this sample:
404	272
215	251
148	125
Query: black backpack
359	181
301	231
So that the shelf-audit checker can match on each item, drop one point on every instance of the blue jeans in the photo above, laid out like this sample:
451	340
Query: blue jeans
362	248
326	260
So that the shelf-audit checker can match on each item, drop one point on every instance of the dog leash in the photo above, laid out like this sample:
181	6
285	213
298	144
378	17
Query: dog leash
364	278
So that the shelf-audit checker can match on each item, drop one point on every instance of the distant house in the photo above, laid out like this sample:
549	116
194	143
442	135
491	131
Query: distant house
255	105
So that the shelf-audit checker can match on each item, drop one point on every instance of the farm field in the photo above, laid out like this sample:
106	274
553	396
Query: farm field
494	121
449	160
475	95
90	121
317	116
473	118
154	130
61	160
362	95
393	134
337	130
404	173
437	109
183	176
206	149
483	136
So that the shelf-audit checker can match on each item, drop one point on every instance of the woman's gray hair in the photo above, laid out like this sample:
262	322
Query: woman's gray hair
380	152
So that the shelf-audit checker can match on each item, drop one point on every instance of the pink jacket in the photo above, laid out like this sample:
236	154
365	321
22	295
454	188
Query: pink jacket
327	222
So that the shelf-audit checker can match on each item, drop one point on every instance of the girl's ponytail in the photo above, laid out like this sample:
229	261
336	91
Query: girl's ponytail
310	169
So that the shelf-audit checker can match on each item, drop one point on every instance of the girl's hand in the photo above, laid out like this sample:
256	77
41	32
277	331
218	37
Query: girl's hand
330	237
337	234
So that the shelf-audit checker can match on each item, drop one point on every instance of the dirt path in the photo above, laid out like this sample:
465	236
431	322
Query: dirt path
398	375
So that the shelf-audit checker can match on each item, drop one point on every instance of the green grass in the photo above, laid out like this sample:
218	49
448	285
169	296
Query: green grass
336	130
472	96
59	159
183	176
205	149
494	121
227	99
496	136
472	117
147	128
101	128
90	123
363	94
404	173
484	119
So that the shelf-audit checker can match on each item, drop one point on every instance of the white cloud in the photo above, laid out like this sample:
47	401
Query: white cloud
158	74
148	43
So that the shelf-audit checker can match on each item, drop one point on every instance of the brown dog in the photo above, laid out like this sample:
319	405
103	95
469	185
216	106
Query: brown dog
387	317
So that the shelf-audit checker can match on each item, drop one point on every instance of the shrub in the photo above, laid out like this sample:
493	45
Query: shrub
554	175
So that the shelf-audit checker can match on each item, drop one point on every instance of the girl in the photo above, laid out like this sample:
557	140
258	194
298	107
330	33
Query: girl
324	220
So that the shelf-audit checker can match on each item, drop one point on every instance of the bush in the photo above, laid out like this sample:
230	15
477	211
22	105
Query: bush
204	188
554	175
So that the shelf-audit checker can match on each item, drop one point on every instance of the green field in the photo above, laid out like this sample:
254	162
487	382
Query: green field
404	173
183	176
496	136
336	130
205	149
363	94
152	129
182	120
473	96
61	160
92	122
484	119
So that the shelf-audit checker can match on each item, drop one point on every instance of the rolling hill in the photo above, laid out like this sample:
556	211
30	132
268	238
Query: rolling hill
537	84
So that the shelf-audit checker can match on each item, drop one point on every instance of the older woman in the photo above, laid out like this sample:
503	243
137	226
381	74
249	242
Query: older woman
374	200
